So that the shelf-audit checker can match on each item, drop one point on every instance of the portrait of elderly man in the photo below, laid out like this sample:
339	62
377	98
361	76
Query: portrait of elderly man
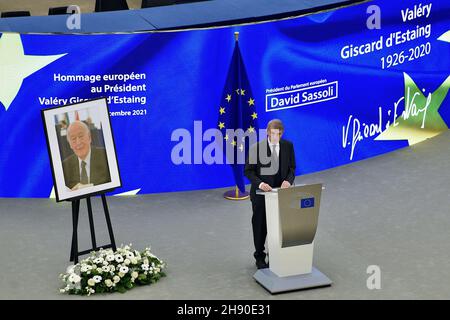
88	165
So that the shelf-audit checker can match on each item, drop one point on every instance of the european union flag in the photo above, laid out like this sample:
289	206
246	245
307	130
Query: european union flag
237	110
307	203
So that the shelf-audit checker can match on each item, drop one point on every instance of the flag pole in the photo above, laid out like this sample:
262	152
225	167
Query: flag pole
236	194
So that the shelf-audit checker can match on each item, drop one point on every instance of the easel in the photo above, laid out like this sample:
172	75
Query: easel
74	253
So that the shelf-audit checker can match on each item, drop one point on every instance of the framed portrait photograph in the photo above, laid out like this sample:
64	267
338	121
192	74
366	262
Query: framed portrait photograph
81	149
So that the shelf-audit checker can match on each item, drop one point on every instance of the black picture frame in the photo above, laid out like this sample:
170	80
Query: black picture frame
98	107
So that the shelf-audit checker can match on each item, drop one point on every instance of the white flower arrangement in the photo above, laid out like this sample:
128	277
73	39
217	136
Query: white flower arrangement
107	271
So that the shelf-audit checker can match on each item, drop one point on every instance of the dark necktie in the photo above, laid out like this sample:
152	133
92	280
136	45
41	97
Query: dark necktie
274	159
84	177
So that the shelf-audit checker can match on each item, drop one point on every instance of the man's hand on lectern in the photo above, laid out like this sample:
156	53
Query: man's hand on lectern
285	184
265	187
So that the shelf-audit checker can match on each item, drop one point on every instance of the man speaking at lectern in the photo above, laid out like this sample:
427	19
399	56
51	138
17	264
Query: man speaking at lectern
270	164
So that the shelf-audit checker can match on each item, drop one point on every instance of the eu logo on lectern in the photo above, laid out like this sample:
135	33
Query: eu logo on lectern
307	203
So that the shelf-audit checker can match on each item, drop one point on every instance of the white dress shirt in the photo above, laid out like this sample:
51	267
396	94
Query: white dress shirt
277	149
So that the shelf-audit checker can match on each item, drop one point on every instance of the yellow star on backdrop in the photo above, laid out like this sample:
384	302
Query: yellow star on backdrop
242	92
251	102
251	129
226	137
221	125
424	125
222	110
445	37
254	115
228	98
15	66
233	143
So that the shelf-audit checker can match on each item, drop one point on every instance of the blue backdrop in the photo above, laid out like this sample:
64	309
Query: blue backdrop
185	74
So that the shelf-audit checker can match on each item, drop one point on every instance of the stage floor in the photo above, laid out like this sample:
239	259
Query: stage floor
390	211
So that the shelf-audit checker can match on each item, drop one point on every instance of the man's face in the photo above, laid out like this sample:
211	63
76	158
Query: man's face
274	135
79	140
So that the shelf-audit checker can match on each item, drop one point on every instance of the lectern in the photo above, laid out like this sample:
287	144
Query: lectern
292	215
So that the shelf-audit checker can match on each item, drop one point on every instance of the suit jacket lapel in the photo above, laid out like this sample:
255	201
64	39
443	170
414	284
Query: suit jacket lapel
281	156
93	166
269	152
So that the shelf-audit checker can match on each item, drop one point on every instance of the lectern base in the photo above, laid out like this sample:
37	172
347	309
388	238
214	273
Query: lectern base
275	284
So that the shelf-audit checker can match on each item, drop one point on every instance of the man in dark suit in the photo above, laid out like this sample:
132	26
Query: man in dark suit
270	164
88	165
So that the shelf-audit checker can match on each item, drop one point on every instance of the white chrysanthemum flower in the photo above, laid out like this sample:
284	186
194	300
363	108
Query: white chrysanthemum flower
134	275
145	267
98	260
134	261
127	262
130	255
112	268
157	269
121	274
99	270
97	279
105	268
74	278
123	269
70	269
105	263
118	258
146	261
62	290
108	283
110	257
116	279
91	282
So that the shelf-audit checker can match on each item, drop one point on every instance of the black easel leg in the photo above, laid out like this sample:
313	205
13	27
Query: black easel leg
108	222
73	231
91	223
75	215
